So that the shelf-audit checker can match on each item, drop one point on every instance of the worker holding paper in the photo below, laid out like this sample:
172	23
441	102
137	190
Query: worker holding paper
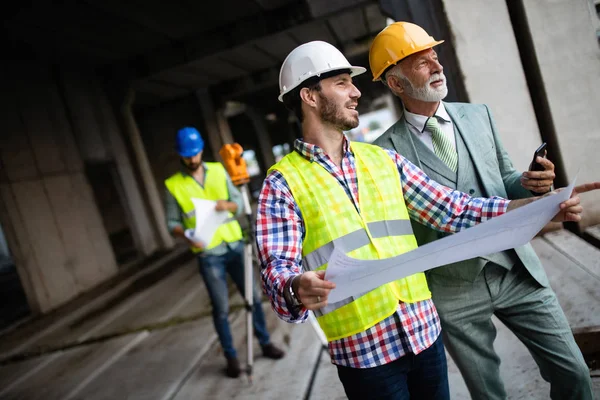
195	184
330	193
457	144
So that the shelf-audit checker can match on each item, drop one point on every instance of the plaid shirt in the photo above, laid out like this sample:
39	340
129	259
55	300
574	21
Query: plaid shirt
280	231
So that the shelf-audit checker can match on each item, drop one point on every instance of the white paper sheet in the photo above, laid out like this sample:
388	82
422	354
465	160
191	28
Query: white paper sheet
513	229
207	221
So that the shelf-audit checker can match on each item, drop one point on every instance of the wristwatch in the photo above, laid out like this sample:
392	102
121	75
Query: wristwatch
293	297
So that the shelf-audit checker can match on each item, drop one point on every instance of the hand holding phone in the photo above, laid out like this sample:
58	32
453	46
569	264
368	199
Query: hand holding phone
540	177
540	152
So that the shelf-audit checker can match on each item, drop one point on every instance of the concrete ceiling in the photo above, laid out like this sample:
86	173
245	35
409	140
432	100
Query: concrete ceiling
169	49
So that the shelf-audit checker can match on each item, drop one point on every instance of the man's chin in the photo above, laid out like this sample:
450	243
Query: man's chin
350	124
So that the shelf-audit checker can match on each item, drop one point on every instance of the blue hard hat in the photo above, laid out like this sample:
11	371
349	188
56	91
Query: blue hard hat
189	142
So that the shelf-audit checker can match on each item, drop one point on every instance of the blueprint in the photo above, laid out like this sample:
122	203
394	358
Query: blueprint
207	221
513	229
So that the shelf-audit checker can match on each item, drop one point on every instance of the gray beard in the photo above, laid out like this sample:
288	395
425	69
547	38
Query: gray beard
426	92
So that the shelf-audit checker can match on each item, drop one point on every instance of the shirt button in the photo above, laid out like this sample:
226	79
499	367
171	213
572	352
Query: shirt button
471	191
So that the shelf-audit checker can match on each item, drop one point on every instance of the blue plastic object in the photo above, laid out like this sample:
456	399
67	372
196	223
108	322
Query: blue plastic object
189	142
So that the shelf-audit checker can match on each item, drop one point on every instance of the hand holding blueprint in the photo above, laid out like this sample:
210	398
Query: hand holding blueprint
513	229
207	221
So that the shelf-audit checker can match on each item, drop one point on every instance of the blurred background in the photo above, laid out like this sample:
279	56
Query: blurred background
94	91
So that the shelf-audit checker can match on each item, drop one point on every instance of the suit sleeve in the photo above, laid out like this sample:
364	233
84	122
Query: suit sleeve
510	176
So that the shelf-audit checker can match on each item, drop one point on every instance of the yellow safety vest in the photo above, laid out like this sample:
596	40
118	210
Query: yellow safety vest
382	229
183	187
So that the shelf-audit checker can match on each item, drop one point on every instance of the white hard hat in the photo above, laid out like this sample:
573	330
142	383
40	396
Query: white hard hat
311	59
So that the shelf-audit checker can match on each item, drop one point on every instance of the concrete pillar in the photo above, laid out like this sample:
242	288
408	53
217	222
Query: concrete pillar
47	210
262	135
140	223
149	183
566	49
488	56
211	122
4	252
224	128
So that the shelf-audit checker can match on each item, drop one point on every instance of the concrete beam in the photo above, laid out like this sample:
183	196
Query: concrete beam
211	122
236	88
237	34
262	135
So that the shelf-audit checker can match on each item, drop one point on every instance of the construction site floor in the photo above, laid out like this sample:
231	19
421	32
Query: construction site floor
151	337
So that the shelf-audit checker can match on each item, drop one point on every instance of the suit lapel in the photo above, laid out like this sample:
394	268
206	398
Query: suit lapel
403	142
463	124
416	152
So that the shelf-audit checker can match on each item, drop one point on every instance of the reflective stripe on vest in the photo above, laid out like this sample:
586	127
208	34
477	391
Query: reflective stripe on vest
356	239
378	227
350	242
184	187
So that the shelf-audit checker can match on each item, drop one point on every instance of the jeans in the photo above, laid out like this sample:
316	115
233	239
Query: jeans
422	376
213	270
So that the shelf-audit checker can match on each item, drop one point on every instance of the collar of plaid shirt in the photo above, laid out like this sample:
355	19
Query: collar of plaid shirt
312	152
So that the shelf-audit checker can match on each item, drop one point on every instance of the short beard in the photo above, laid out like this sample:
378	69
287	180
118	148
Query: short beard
191	168
426	92
331	114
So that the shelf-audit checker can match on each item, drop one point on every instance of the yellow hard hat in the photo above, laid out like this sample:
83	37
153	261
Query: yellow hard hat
395	42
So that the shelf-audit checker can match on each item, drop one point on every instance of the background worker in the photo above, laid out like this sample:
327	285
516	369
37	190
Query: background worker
359	198
457	145
224	254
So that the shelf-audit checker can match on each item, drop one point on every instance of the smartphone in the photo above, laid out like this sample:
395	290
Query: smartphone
540	152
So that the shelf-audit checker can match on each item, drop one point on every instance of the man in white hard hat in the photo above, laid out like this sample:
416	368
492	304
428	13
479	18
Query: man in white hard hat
385	343
457	145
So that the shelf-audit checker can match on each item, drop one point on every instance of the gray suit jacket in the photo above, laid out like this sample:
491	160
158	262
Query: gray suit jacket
495	170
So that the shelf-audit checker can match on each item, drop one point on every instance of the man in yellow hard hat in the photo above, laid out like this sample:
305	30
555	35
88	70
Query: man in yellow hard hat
330	193
457	145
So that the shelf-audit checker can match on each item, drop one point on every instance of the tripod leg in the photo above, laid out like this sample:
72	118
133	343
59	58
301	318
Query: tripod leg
249	305
315	324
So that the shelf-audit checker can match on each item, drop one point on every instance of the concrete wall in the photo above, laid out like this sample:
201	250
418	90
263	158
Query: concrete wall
488	57
100	138
47	210
568	54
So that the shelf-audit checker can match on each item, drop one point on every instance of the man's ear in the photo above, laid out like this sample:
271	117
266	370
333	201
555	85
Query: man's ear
395	84
308	96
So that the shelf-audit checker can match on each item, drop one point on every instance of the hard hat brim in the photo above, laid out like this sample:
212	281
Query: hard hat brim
190	153
354	71
389	64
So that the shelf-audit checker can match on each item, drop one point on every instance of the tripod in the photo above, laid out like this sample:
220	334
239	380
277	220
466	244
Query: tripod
236	168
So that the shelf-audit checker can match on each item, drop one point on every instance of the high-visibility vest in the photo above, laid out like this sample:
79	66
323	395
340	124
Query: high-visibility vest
183	188
380	230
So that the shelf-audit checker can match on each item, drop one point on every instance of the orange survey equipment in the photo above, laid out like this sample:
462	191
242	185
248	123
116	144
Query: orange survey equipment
235	163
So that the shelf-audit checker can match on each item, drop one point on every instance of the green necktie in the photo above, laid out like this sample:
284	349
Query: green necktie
442	146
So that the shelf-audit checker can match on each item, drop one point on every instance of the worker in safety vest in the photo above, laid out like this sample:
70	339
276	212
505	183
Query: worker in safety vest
330	193
225	252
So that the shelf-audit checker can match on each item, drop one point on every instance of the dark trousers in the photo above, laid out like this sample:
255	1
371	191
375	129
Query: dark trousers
422	376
